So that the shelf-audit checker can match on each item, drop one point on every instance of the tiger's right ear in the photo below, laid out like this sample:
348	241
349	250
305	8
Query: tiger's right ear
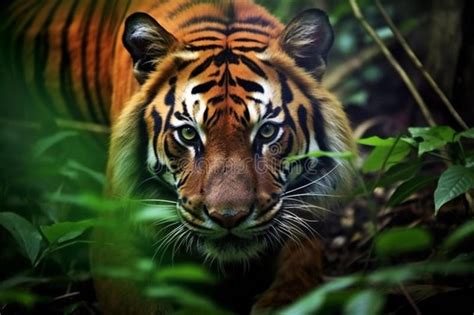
147	42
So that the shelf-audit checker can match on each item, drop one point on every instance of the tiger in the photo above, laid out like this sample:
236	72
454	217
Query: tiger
208	99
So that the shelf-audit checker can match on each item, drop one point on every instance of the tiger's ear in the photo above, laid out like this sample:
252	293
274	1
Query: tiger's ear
147	42
307	39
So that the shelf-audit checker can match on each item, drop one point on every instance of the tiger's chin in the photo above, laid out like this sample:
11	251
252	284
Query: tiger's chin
231	249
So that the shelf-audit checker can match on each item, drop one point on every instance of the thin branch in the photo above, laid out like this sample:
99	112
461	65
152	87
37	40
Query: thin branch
335	77
409	299
403	75
416	61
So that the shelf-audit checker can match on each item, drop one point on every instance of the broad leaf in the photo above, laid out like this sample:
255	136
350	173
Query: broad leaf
368	302
187	273
432	137
466	134
399	172
65	231
455	181
401	240
408	188
385	155
25	234
377	141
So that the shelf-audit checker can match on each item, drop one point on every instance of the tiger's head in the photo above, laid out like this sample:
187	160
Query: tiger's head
220	107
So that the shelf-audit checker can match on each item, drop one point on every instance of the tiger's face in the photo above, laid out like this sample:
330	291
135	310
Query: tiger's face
221	115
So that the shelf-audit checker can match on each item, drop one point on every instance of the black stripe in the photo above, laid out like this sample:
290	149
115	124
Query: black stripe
202	67
257	20
41	48
204	38
216	99
302	117
248	40
170	95
204	87
253	66
65	71
249	86
237	99
203	19
157	124
209	29
233	30
256	100
204	47
247	49
84	60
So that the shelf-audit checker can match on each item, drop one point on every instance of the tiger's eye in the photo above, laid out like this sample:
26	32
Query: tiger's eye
188	133
268	131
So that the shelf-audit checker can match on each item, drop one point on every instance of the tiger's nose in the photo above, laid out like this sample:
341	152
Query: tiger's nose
228	218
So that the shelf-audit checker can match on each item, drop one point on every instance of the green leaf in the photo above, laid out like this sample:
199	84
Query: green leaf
65	231
445	133
408	188
312	302
180	295
376	141
367	302
17	296
402	240
462	233
455	181
389	155
75	166
185	272
44	144
399	172
25	234
346	155
433	138
466	134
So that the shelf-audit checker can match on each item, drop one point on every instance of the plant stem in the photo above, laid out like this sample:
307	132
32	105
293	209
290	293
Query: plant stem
391	59
416	61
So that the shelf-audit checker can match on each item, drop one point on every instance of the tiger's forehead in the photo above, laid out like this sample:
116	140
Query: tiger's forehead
223	83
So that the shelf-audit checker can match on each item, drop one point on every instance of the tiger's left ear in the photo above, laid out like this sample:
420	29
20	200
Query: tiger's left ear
307	39
147	42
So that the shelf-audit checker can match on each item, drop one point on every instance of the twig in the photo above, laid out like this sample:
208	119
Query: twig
416	61
409	299
403	75
334	78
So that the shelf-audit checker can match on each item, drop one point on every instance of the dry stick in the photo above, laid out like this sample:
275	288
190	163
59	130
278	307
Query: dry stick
403	75
412	56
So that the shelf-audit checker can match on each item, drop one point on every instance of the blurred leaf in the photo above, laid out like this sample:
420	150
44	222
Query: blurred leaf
455	181
433	137
398	172
65	231
25	234
21	280
367	302
157	214
181	296
402	240
48	142
188	273
408	188
97	176
466	134
17	296
312	302
388	155
461	234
